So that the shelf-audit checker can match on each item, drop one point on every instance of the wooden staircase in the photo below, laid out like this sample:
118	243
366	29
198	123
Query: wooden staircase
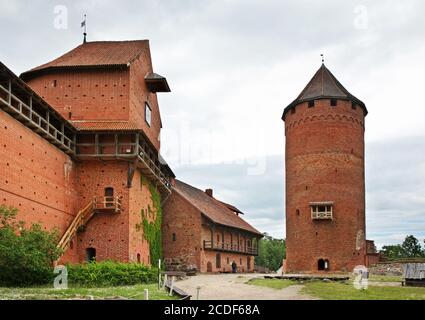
97	204
82	217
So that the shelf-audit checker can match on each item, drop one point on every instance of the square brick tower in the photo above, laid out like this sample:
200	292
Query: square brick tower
325	178
101	179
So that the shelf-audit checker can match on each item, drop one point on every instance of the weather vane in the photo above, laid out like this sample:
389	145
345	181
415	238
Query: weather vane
83	24
323	57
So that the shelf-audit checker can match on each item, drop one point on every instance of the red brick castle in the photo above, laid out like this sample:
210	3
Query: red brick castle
325	178
80	141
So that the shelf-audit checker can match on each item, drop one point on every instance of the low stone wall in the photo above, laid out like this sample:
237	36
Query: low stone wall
387	268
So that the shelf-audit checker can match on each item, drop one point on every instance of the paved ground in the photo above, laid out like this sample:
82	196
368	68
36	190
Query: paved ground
233	287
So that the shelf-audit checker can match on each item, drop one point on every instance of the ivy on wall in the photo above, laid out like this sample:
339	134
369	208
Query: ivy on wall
151	223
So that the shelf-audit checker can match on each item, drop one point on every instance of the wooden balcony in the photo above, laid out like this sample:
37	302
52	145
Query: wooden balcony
107	204
132	146
33	116
228	247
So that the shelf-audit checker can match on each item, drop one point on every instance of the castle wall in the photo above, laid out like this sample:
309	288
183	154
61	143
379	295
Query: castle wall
87	94
37	178
139	94
107	232
184	220
325	162
140	198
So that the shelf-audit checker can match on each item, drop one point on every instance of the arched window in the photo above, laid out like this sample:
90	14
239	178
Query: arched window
323	264
138	258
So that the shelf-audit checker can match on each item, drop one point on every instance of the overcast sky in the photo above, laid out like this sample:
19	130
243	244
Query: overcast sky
234	65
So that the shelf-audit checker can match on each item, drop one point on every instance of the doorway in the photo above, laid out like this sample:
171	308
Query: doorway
91	254
323	265
218	260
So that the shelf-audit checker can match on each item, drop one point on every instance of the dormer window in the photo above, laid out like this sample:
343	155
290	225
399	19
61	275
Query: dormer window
148	114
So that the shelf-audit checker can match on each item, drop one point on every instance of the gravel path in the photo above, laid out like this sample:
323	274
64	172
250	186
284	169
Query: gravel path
233	287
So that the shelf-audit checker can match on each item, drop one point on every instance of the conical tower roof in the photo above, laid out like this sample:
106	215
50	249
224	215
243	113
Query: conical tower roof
324	85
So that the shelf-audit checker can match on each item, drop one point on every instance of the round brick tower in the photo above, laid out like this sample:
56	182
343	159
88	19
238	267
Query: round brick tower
325	180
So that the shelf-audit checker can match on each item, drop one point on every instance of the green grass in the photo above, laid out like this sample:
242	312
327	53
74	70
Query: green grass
120	292
272	283
346	291
383	278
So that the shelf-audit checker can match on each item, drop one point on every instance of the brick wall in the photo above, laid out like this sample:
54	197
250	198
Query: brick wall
183	220
139	198
325	162
139	94
88	95
36	178
107	232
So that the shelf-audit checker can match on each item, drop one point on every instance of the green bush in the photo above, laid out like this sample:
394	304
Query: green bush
109	273
26	255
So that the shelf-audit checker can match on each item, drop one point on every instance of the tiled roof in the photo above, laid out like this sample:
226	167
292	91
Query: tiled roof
103	125
324	85
96	53
213	209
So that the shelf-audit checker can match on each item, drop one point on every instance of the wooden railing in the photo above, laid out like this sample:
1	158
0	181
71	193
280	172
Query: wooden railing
107	203
321	215
82	217
25	113
85	214
229	247
153	167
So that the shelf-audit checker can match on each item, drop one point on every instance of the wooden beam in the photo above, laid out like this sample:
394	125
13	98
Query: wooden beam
132	167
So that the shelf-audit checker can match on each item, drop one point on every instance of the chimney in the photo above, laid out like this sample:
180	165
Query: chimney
209	192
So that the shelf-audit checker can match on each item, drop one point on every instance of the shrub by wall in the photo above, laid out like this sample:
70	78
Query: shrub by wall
109	273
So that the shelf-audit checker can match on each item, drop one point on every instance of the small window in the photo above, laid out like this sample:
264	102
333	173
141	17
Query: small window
353	105
293	110
298	212
218	238
138	258
54	83
148	114
174	237
333	102
311	104
321	211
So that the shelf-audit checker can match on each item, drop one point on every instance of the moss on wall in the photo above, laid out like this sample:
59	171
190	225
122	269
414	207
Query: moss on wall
151	219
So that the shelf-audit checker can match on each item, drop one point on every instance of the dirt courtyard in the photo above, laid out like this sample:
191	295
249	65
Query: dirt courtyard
234	287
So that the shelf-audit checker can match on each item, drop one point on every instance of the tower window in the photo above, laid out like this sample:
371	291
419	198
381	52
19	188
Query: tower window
311	104
321	210
298	212
333	102
148	114
293	110
174	237
353	106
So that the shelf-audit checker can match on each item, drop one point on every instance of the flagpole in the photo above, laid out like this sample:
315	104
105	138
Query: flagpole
85	29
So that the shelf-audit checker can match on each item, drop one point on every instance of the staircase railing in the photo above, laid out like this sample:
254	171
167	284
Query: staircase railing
82	217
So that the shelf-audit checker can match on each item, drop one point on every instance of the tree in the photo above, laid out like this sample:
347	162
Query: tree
26	255
392	251
411	247
271	252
